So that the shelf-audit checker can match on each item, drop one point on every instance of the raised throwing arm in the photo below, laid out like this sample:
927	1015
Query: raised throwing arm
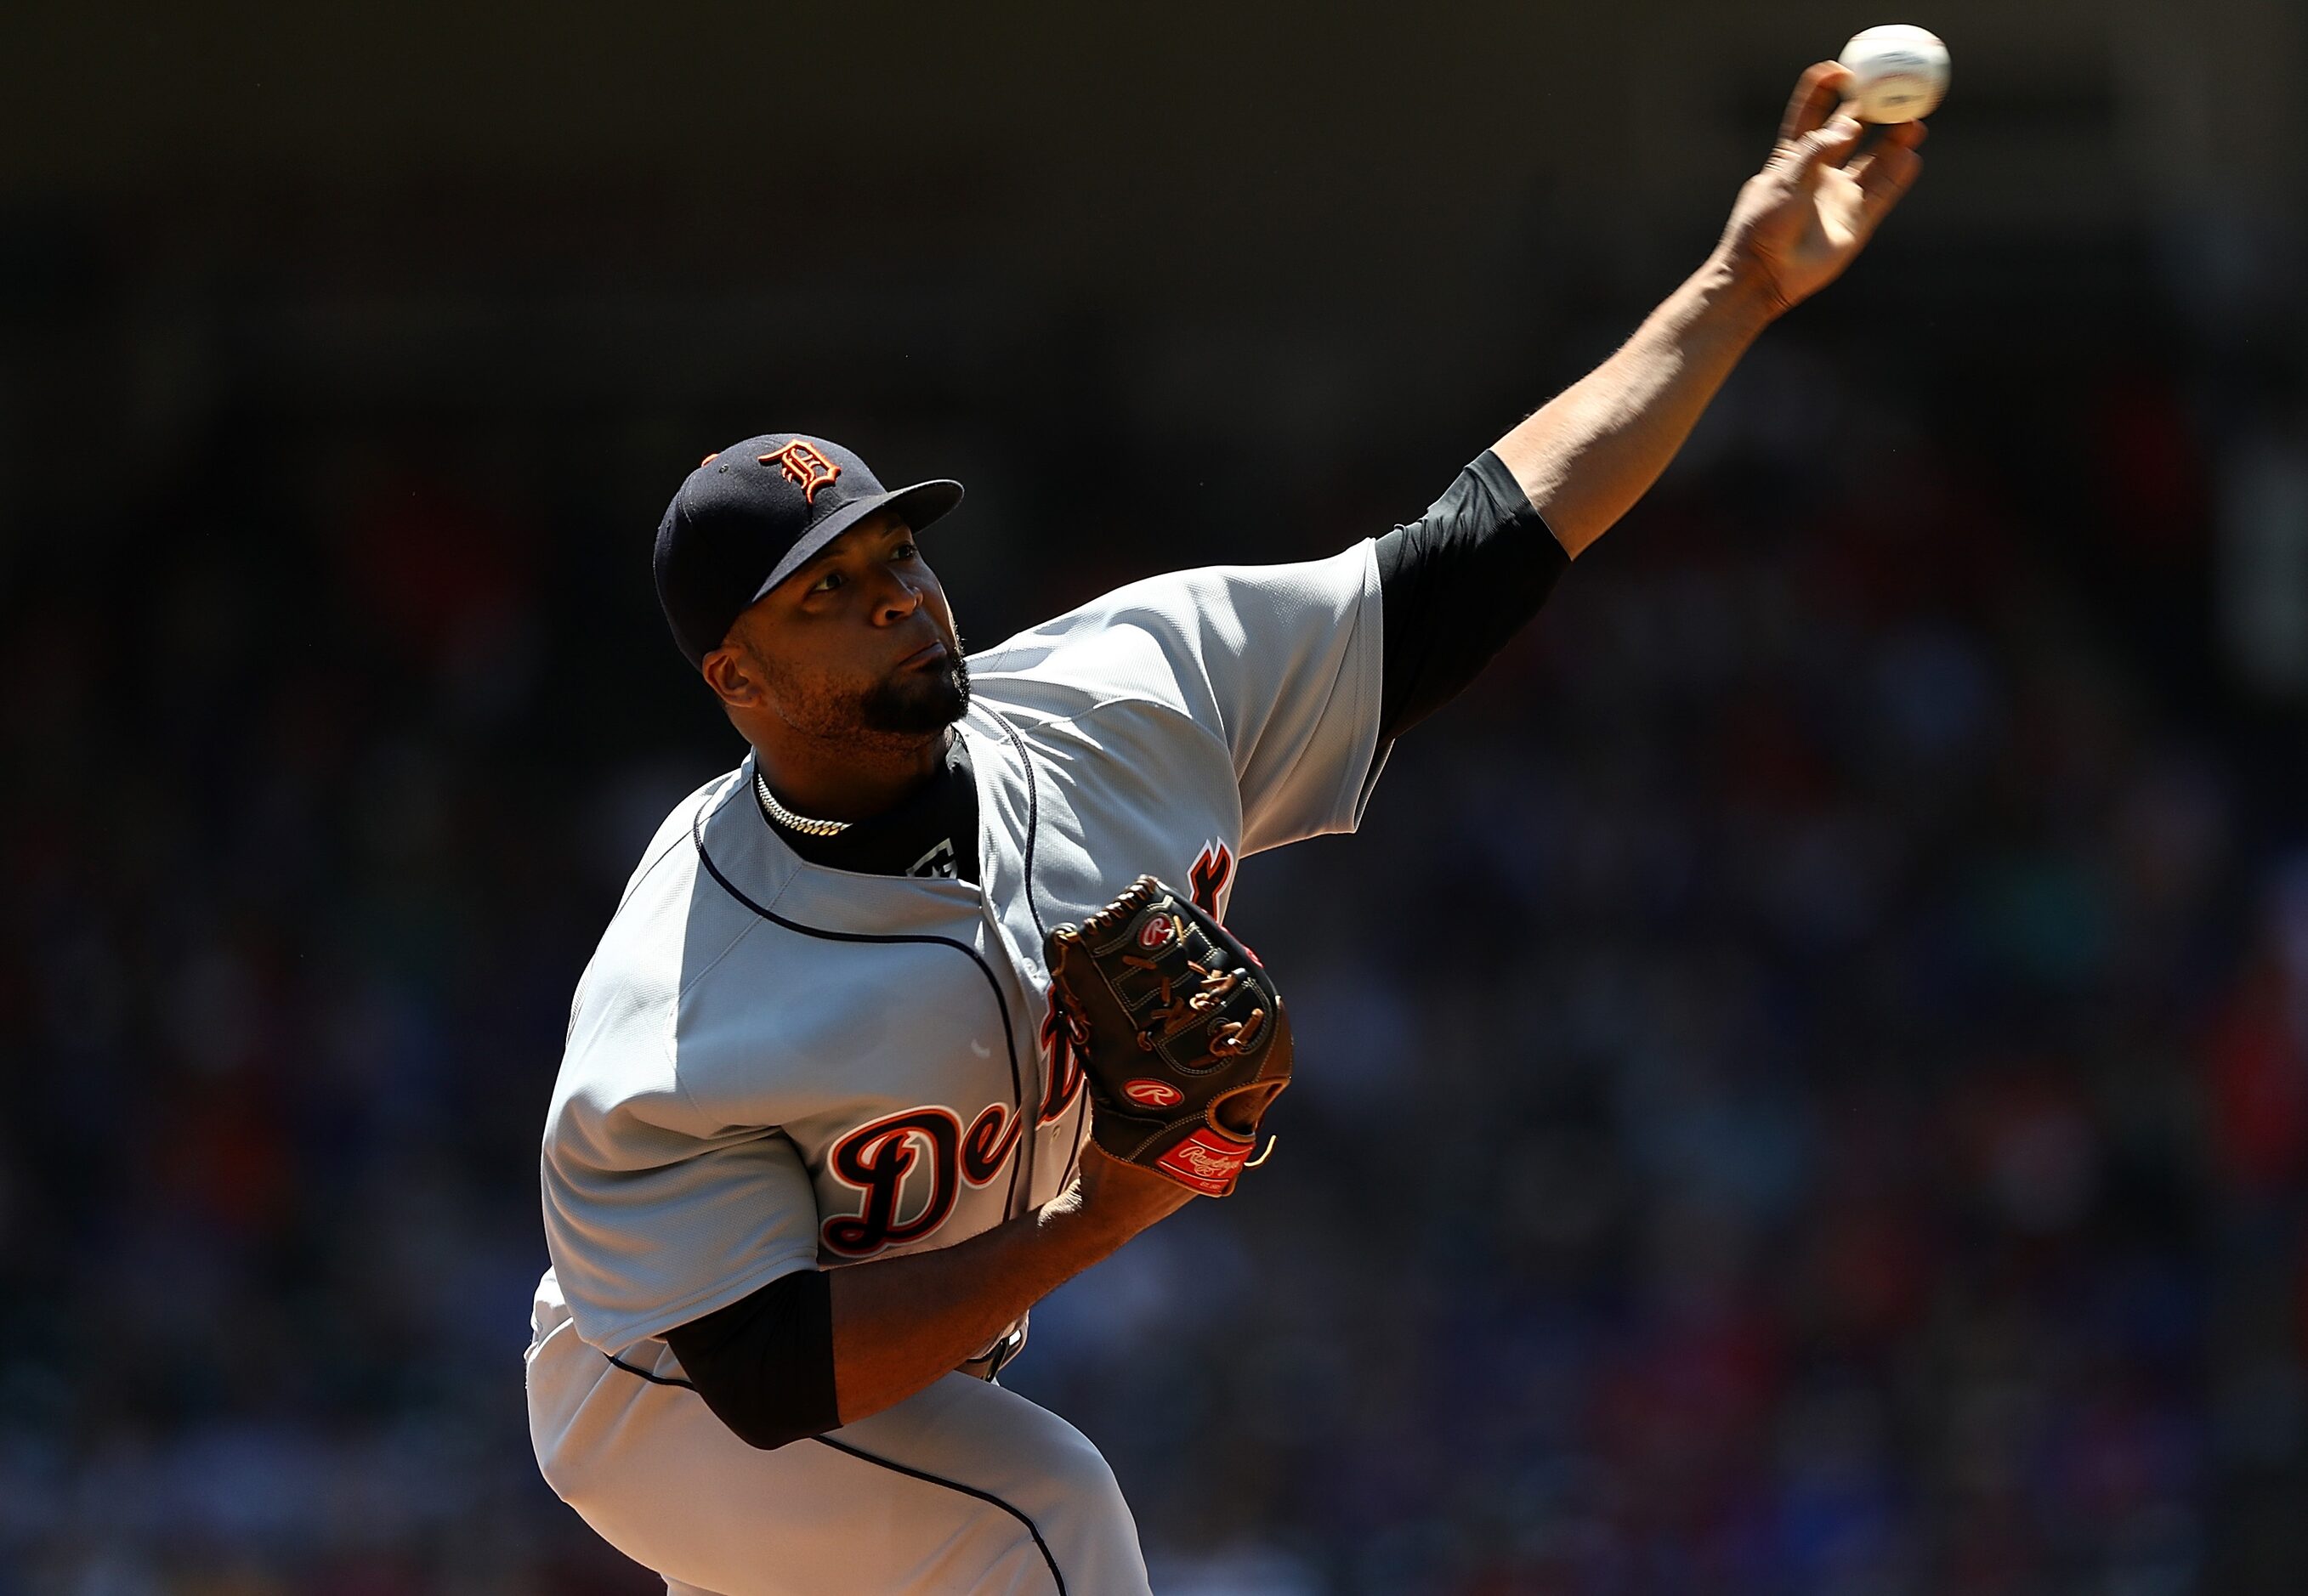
1588	454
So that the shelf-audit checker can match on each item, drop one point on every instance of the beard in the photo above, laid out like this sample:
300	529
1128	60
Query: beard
918	703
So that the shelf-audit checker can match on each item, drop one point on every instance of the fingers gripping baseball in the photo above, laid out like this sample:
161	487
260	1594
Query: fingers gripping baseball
1801	220
1817	92
1819	151
1888	173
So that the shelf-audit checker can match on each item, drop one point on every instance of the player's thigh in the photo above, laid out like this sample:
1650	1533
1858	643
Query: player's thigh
964	1488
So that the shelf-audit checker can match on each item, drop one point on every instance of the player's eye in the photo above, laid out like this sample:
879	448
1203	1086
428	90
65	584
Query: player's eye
828	582
905	551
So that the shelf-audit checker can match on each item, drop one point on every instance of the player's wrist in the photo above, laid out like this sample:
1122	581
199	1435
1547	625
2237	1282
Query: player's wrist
1738	286
1122	1199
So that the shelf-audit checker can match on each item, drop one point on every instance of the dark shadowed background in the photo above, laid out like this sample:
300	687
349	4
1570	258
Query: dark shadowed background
1804	1077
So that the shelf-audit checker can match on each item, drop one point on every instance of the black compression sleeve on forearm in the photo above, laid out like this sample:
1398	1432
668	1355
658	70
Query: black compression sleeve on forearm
764	1364
1459	582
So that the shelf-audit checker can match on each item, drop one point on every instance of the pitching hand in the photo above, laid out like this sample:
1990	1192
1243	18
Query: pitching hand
1799	221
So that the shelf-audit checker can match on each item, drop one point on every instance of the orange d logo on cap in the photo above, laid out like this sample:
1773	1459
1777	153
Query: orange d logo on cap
730	534
803	467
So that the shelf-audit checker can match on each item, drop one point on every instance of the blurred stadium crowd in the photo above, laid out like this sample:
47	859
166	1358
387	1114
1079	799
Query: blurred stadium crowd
1805	1072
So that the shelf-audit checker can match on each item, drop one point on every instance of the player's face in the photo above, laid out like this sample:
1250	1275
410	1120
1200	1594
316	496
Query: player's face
860	640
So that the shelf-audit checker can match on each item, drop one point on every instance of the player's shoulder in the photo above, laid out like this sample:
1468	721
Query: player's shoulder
1121	646
667	868
637	968
673	835
1153	641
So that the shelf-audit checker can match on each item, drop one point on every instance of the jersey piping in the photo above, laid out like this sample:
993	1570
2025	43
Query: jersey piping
1040	1545
1029	1141
993	983
1033	813
1033	822
654	1379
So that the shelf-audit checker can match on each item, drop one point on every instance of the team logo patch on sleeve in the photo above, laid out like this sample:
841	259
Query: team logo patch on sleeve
803	467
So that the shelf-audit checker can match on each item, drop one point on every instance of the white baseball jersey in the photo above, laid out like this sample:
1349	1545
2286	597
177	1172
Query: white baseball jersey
774	1066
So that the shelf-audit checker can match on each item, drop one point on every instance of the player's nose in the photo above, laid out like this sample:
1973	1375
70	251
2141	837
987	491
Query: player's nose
899	595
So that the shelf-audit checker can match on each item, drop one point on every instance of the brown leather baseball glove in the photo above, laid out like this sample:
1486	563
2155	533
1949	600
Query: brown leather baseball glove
1182	1034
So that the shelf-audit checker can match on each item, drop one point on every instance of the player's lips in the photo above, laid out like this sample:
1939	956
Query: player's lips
928	654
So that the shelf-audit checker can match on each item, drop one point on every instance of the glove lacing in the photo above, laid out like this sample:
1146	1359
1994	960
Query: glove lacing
1173	1013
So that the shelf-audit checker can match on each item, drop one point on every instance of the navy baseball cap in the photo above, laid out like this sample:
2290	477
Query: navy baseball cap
753	513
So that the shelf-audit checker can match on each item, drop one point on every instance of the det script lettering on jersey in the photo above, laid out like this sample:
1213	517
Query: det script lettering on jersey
907	1167
877	1159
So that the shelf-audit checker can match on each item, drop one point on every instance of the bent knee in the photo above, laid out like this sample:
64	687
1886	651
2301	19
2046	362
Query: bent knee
1087	1473
1085	1529
1075	1494
560	1466
560	1453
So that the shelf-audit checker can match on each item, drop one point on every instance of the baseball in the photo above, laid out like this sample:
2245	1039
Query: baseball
1899	72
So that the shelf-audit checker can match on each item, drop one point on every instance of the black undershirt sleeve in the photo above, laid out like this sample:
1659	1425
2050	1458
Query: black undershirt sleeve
764	1364
1457	583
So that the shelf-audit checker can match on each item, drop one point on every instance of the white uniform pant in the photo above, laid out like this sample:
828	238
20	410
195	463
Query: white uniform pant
964	1488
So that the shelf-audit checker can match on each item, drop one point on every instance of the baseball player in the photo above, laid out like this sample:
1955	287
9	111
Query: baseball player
822	1134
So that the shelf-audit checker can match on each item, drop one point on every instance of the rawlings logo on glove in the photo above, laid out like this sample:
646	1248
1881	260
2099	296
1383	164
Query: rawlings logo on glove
1182	1034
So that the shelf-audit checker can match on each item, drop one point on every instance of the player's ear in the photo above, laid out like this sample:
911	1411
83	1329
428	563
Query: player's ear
730	676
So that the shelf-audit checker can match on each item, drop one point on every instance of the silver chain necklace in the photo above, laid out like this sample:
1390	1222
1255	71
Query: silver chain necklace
792	822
